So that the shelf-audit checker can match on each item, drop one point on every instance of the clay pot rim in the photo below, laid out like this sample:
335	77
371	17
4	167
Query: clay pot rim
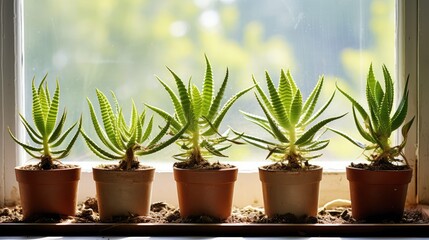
19	168
205	170
148	168
318	168
375	171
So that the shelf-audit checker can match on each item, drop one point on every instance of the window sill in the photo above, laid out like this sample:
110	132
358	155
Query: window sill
226	229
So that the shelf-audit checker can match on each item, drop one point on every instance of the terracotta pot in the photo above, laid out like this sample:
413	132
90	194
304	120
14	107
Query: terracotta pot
290	192
121	193
205	192
48	191
378	194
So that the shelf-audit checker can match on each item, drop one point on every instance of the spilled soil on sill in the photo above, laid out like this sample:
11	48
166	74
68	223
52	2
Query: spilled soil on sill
164	213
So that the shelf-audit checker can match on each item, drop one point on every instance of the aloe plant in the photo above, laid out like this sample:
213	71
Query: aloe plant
47	134
124	141
287	119
199	109
379	121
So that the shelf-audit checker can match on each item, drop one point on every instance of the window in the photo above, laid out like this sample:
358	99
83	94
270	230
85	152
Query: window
110	44
120	46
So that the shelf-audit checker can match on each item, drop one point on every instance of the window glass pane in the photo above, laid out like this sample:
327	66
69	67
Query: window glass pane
122	45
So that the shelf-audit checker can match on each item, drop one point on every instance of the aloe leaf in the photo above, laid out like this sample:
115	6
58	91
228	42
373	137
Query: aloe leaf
115	102
31	135
107	118
123	128
311	102
30	129
285	91
162	145
139	129
43	101
176	103
213	150
255	117
264	98
346	136
404	131
263	123
104	139
34	155
181	156
196	102
279	109
134	116
378	93
296	108
361	110
160	134
207	94
25	146
97	150
48	97
316	146
53	111
224	110
407	127
219	96
360	129
319	112
371	84
254	138
309	134
147	131
62	137
257	144
388	82
220	149
275	129
72	141
274	154
183	94
57	131
373	107
167	117
266	127
374	135
56	152
133	138
384	116
401	112
117	133
37	111
292	82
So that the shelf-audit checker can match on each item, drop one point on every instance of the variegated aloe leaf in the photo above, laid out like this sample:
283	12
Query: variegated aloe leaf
203	114
124	141
287	118
47	134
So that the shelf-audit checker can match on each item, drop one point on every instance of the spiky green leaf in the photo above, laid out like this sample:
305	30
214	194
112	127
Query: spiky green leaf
275	129
53	110
219	96
279	110
296	108
37	112
207	94
309	134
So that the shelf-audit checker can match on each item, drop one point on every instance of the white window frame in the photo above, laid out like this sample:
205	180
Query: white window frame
413	59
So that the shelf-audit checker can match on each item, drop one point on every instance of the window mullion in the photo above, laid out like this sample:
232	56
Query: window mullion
10	97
